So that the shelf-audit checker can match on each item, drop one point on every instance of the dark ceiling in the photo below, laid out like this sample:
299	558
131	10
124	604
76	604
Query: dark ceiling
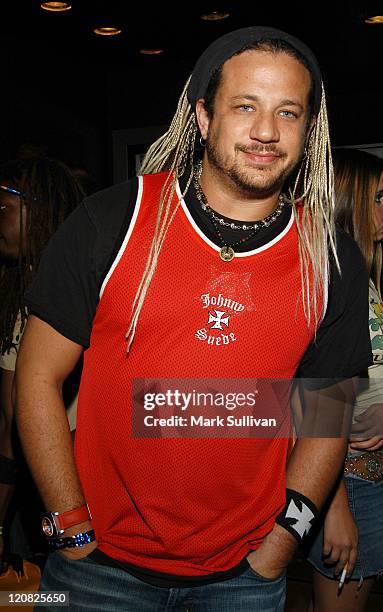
56	60
346	46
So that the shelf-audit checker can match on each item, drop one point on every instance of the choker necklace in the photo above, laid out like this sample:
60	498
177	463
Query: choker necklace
227	252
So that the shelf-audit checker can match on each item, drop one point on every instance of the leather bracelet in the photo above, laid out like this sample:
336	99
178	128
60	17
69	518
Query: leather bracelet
298	514
53	524
73	517
75	541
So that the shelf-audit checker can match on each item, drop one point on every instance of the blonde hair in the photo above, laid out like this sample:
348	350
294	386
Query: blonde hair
316	224
174	152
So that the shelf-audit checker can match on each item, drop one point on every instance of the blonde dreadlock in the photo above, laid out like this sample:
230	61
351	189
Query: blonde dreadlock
316	225
174	152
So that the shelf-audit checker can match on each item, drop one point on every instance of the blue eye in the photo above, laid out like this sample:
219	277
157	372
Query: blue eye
286	113
246	107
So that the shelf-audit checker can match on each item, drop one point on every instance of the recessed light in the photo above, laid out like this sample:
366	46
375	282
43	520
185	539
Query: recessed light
151	51
107	31
56	7
215	16
374	19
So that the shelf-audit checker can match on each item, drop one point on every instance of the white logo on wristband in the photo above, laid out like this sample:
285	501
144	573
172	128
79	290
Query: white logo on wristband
303	517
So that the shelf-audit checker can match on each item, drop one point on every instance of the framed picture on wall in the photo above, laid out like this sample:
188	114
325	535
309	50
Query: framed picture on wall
129	148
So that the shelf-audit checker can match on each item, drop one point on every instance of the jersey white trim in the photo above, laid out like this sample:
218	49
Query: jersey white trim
127	235
216	247
325	292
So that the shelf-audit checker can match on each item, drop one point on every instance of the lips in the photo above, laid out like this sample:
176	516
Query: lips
263	159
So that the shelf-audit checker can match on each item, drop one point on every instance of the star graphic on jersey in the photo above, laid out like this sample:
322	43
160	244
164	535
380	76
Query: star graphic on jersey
218	319
303	517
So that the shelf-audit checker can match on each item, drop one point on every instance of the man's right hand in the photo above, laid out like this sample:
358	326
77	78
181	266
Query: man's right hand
78	553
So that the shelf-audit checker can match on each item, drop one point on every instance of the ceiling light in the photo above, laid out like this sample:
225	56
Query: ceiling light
56	7
107	31
151	51
214	16
374	19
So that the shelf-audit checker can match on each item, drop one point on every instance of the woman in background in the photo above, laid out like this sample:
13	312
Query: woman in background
351	535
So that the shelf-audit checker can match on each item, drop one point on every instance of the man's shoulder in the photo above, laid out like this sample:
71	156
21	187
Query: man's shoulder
349	254
111	201
120	199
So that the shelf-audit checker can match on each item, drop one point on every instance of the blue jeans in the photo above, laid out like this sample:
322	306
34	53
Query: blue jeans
365	499
97	587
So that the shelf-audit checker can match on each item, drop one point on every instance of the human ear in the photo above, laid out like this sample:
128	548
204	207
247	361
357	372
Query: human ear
202	118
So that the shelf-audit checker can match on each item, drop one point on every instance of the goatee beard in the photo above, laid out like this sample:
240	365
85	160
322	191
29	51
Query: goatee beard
242	180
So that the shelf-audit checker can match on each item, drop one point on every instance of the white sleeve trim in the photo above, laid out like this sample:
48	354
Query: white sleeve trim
127	236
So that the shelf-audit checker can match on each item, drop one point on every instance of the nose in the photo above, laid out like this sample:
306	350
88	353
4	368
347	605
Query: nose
264	128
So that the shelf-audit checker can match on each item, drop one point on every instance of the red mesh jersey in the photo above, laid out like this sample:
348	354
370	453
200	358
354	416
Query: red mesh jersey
186	506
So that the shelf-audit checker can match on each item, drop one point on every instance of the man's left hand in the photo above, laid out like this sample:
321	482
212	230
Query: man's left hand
271	559
264	567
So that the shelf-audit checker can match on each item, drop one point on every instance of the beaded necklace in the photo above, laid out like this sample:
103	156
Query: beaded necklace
227	252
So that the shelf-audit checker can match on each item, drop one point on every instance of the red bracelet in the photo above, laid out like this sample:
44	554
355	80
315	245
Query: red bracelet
53	524
73	517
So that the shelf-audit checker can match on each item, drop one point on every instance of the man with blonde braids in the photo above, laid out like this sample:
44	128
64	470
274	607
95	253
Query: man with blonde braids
217	266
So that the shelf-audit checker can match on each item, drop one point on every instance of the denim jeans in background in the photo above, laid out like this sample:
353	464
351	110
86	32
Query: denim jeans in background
365	499
96	588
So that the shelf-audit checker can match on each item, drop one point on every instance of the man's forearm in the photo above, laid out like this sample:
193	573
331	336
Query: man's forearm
314	466
46	439
45	360
312	470
316	460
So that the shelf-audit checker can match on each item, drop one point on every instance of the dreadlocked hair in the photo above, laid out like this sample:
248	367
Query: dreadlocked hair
173	152
314	211
312	192
50	193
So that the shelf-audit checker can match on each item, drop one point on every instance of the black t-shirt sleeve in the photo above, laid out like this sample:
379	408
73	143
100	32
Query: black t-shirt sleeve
342	347
65	291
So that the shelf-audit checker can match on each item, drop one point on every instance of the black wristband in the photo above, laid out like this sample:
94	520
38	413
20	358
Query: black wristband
8	470
298	515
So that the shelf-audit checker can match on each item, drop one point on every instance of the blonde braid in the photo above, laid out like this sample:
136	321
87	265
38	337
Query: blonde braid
174	151
316	226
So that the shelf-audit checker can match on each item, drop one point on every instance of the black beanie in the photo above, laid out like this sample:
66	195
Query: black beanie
228	45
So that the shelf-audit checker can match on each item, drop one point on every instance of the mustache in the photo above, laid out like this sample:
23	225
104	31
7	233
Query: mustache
261	149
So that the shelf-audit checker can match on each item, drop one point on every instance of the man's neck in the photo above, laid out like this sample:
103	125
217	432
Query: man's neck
229	200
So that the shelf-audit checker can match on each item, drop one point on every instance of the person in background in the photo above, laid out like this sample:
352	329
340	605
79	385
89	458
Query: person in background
36	196
352	532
